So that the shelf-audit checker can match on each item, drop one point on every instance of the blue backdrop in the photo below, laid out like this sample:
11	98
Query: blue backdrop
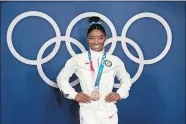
157	97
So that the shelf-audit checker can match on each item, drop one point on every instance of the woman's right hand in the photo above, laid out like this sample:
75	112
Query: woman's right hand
82	97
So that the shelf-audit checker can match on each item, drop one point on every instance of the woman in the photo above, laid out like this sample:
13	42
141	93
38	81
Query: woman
96	70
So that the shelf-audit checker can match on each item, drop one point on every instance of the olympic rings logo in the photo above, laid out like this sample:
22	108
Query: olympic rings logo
113	40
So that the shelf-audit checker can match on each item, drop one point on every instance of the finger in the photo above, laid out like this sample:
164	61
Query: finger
89	97
112	96
111	99
82	100
84	94
85	98
109	96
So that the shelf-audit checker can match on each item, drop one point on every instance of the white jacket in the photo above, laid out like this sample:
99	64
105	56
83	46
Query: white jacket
79	65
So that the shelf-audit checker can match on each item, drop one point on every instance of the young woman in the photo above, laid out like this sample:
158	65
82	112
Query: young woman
96	70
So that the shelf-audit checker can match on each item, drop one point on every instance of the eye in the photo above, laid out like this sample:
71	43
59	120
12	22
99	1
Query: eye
101	38
91	38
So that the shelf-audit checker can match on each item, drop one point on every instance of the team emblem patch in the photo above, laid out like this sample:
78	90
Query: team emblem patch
108	63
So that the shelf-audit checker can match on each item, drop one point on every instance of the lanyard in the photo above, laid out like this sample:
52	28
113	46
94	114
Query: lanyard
100	71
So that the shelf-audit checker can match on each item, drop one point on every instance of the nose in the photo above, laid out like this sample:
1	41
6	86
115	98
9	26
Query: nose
96	41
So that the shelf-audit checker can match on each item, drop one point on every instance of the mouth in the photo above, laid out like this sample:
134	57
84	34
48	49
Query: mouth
96	46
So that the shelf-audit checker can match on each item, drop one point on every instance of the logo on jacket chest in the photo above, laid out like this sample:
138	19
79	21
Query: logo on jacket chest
108	63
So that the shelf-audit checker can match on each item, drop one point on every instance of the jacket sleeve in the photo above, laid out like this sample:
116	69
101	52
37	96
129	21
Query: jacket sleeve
64	76
125	80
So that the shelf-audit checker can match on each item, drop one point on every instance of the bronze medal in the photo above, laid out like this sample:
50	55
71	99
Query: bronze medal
95	95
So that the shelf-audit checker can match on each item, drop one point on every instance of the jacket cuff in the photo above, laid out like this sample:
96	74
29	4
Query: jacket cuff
71	95
123	95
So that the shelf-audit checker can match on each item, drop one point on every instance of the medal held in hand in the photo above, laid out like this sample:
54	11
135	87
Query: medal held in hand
95	94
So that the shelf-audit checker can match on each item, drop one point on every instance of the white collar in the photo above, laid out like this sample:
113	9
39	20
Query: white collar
96	52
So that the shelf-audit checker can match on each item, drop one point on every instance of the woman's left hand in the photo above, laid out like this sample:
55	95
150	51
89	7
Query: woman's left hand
112	97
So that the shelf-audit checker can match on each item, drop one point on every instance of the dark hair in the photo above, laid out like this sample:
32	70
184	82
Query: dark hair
95	23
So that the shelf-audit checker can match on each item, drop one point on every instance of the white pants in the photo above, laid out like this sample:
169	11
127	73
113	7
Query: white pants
90	116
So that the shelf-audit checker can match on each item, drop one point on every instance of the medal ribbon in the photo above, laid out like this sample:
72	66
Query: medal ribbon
100	71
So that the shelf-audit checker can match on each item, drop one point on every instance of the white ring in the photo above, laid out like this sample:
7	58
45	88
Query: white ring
11	28
138	50
40	54
85	15
168	31
68	39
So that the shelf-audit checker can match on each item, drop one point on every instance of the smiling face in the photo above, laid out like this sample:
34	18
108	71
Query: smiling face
96	40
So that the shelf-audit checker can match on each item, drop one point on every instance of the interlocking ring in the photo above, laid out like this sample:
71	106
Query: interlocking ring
113	40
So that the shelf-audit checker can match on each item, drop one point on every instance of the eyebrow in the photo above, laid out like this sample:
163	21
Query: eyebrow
98	36
101	36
